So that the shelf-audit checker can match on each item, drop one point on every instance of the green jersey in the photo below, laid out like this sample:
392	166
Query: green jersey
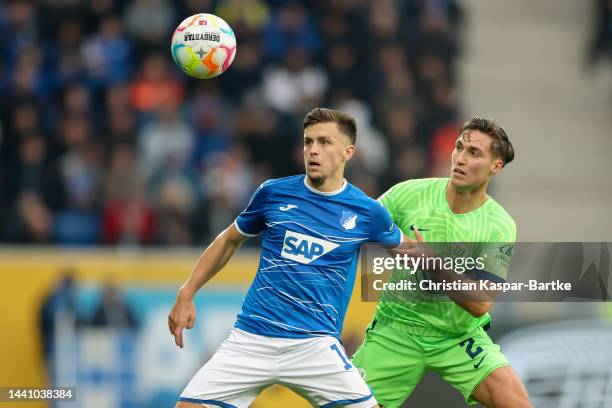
422	203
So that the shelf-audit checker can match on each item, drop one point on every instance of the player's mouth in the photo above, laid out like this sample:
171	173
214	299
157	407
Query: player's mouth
458	171
314	165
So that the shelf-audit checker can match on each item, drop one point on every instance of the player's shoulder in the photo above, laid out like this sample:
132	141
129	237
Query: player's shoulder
498	215
497	211
415	185
285	181
290	182
355	193
422	183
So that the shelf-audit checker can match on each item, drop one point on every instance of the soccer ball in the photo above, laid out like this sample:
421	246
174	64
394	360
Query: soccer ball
203	46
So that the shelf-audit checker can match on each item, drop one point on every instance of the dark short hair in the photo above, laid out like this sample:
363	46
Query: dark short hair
501	146
346	123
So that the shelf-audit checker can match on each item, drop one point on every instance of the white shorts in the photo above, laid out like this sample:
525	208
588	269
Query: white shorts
245	364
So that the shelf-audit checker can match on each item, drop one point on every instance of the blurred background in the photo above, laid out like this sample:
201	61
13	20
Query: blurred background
116	169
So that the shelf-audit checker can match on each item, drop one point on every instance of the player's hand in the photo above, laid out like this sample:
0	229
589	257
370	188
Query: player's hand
182	315
405	246
418	247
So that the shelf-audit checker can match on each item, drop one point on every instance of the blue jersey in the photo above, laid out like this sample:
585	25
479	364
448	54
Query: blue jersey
309	255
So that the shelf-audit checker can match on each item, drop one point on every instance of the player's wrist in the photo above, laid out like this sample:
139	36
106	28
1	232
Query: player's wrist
186	292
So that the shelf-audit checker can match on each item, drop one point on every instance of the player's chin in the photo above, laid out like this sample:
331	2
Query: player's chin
459	180
315	175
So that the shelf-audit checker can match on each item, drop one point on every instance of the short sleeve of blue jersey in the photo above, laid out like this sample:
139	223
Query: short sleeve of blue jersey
251	221
382	228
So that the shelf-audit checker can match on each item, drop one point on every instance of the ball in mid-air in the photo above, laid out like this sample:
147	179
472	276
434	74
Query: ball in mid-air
203	46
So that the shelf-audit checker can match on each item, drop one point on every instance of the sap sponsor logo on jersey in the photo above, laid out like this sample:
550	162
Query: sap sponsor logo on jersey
304	248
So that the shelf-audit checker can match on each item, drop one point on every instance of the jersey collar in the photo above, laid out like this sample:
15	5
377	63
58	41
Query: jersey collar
325	193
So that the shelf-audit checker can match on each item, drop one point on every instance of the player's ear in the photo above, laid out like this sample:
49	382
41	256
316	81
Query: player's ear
496	166
349	151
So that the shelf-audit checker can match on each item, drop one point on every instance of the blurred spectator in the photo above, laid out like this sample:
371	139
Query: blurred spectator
117	97
342	68
290	27
30	222
128	219
120	123
384	21
37	174
129	222
400	126
60	301
82	174
244	77
97	10
74	130
231	167
393	81
27	80
18	28
166	140
155	85
175	198
337	21
443	105
165	149
372	149
77	101
211	116
107	53
25	121
263	133
296	86
124	178
150	22
411	163
81	168
228	197
113	311
66	54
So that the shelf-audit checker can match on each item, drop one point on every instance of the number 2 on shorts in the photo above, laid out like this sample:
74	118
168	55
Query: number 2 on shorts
469	348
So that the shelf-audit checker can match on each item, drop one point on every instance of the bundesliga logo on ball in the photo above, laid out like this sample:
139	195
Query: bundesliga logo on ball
203	46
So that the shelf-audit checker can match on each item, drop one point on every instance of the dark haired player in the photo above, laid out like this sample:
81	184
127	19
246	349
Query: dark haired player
288	330
443	331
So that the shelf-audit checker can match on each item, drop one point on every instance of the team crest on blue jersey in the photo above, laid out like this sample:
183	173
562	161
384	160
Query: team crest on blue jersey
348	220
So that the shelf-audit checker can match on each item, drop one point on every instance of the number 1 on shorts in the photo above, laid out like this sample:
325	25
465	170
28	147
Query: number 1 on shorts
347	365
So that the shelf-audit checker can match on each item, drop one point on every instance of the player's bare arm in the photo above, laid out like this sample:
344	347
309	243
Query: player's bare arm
183	313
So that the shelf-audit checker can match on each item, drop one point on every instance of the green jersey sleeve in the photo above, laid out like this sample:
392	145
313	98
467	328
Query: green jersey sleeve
496	253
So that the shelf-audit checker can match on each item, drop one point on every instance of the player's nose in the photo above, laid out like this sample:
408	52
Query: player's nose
460	158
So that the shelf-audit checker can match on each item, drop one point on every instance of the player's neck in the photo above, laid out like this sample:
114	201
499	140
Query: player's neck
328	185
464	201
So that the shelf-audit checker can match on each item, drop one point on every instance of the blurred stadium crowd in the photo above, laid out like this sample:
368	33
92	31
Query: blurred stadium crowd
104	141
